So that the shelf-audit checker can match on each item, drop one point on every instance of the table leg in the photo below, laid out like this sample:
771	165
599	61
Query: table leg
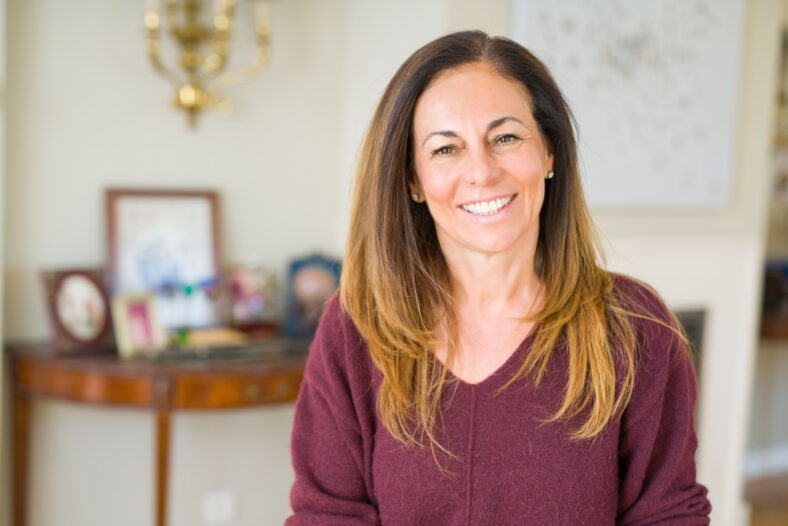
162	464
21	456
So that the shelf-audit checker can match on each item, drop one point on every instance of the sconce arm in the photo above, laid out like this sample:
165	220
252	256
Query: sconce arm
162	70
263	31
230	78
152	48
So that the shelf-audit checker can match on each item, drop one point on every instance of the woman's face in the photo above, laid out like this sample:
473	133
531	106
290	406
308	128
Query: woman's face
480	161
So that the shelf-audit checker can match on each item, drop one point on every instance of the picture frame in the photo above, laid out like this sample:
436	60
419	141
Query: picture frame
79	311
311	282
138	331
166	242
253	305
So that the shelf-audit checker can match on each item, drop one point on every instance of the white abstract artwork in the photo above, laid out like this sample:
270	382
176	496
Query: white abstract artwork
163	246
653	85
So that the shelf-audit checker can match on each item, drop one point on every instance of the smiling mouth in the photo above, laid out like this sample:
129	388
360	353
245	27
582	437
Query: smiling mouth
486	208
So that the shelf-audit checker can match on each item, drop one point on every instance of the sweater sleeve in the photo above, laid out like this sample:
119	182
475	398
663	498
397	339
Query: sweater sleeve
326	444
658	441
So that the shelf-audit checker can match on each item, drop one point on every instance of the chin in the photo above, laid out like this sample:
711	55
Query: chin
493	246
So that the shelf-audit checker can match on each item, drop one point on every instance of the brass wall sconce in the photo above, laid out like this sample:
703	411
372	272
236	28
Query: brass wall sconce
204	48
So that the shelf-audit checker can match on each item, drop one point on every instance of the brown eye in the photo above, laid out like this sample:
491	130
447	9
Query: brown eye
443	150
504	139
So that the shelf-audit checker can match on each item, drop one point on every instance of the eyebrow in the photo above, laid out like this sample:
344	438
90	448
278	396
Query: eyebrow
490	126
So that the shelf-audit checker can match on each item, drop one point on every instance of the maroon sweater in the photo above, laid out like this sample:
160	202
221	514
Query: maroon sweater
510	467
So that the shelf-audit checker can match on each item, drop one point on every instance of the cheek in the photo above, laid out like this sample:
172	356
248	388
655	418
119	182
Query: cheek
438	186
533	183
525	174
538	186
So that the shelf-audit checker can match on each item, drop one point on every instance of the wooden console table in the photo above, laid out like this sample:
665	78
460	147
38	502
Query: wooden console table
264	373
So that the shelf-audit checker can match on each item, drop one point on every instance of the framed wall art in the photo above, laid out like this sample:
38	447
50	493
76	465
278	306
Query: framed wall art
166	242
655	89
79	311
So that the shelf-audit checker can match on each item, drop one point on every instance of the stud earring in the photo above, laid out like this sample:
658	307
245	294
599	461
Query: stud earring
416	197
550	175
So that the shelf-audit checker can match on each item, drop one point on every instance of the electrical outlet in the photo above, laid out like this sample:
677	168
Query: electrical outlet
218	507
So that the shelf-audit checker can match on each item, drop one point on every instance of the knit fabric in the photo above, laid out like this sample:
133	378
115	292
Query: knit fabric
507	466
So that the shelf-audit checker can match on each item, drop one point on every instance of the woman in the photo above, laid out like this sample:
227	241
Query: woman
479	366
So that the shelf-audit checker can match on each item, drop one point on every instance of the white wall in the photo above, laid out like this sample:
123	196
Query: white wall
371	54
87	112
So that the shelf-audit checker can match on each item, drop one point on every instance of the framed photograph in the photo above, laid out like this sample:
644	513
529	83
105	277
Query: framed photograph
253	303
166	242
311	282
79	311
137	328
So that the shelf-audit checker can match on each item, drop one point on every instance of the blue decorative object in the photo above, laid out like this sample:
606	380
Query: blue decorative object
311	282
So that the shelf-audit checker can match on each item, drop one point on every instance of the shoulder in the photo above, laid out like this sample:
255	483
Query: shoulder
654	325
661	349
335	330
656	433
338	356
647	313
640	298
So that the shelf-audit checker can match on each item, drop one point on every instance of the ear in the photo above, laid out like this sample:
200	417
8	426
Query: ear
415	186
549	151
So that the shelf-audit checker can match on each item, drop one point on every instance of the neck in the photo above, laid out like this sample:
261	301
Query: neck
495	286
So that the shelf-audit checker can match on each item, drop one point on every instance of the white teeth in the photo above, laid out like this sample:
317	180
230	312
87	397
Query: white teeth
486	208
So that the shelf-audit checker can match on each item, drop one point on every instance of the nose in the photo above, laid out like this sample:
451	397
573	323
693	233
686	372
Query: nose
481	168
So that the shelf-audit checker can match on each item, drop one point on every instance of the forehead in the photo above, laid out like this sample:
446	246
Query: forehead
472	91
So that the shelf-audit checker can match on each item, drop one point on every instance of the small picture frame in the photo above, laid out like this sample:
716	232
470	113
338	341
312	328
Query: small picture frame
138	331
166	242
252	293
79	312
311	282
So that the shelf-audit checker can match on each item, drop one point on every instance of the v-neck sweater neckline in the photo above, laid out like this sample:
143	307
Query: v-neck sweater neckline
499	376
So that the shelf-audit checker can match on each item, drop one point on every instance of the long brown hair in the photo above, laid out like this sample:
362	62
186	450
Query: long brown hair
395	282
